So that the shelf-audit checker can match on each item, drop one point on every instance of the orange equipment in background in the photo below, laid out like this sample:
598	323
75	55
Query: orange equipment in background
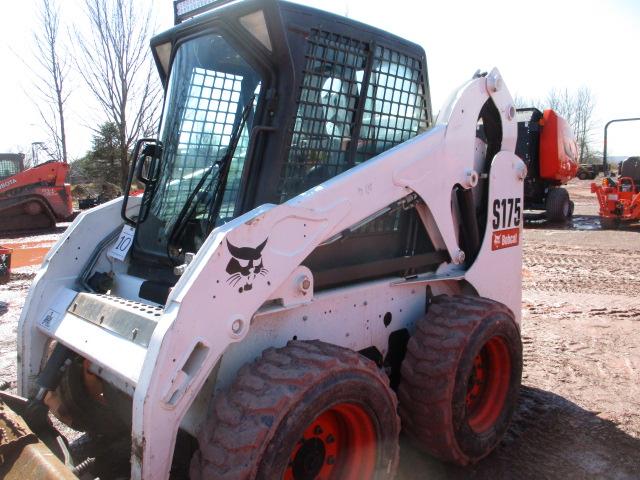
547	145
558	149
35	197
619	199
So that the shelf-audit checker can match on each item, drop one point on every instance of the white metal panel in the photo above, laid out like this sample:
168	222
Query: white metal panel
497	274
102	347
61	269
127	286
354	317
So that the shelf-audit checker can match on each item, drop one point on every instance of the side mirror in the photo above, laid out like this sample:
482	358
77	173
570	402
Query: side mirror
147	167
144	166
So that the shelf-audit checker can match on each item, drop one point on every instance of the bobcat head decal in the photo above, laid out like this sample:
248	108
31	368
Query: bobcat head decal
245	265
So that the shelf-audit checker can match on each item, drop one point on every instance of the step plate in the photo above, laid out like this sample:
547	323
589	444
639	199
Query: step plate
133	321
111	332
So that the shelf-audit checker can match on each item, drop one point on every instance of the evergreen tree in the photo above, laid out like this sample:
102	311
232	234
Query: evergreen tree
101	164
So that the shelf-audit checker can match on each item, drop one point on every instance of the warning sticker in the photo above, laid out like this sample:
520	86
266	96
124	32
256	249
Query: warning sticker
505	238
50	319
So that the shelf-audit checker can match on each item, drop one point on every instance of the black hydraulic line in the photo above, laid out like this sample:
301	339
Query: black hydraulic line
54	368
605	165
471	231
35	412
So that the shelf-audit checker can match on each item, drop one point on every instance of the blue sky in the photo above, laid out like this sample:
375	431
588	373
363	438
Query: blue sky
536	45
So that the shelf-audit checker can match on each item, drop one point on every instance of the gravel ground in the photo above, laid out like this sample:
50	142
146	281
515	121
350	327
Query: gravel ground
579	411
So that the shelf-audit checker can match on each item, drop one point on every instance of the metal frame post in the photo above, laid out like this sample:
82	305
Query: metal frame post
605	165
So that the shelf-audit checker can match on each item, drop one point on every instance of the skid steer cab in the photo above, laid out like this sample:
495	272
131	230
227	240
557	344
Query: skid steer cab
314	259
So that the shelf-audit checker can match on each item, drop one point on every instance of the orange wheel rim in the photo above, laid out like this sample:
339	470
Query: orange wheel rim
339	444
488	385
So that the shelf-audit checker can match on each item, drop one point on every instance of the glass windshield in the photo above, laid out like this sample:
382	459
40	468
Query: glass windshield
209	88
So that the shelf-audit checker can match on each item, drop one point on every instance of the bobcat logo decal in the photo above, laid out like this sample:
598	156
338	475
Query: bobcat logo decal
245	265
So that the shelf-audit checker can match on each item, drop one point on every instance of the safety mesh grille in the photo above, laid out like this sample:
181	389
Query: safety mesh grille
8	168
327	104
208	116
326	139
395	108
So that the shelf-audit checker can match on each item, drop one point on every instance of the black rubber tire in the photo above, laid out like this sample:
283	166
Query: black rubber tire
558	205
260	419
572	207
436	372
86	413
583	175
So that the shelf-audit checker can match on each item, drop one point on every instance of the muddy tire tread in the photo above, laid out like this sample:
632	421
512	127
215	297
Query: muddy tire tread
258	398
432	358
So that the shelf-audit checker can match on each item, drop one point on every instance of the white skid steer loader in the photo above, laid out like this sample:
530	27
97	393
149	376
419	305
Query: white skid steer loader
315	264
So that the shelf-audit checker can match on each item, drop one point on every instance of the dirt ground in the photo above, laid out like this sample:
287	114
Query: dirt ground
579	411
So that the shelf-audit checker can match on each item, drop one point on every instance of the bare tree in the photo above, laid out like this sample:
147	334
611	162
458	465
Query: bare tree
525	102
116	66
577	108
50	76
583	123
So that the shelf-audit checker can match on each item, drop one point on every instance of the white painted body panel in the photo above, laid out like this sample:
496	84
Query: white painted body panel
58	274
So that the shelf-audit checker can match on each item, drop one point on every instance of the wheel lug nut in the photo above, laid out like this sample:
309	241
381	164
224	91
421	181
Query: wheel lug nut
318	430
331	460
330	438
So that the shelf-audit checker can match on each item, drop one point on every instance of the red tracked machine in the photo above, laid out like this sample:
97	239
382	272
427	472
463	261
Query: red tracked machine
32	198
